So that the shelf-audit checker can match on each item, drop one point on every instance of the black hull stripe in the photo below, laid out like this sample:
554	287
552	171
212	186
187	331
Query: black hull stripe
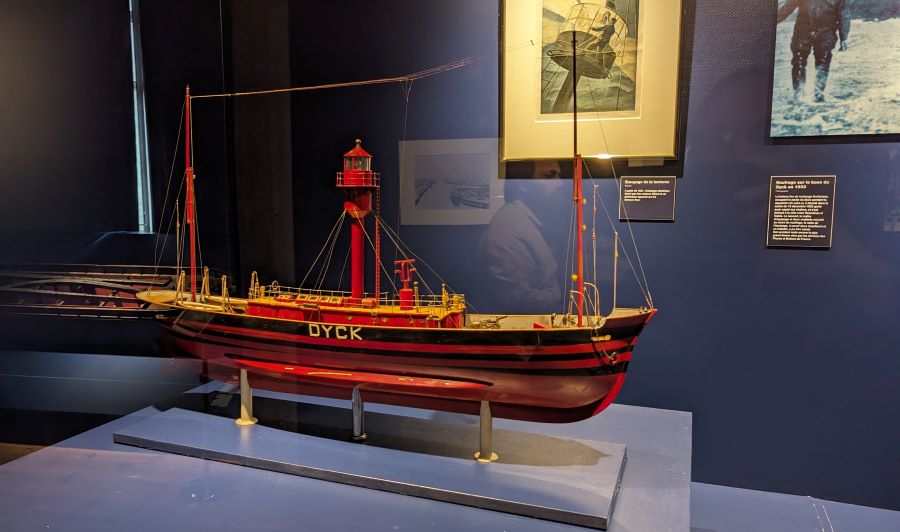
398	354
605	369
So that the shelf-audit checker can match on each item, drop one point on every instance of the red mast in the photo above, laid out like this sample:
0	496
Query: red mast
189	178
579	222
578	198
358	181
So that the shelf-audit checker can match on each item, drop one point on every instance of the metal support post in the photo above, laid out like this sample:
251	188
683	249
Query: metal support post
485	453
359	428
246	402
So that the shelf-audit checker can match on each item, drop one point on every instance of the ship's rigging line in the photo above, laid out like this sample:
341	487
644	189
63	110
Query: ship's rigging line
178	252
398	243
327	261
397	79
594	243
330	244
195	226
399	247
184	225
570	261
323	273
645	286
390	277
344	268
158	257
406	82
407	91
336	227
395	236
173	217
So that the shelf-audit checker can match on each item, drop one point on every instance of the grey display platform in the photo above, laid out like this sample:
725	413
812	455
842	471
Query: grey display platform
572	481
725	509
90	483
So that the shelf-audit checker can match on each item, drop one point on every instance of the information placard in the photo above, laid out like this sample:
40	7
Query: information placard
647	198
801	211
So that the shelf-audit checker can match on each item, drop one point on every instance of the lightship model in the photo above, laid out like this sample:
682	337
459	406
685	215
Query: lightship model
404	349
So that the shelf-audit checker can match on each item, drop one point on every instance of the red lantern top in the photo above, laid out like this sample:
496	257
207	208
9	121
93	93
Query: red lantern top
358	151
358	169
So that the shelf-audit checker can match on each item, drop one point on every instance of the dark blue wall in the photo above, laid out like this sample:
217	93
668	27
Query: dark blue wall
788	359
66	125
186	43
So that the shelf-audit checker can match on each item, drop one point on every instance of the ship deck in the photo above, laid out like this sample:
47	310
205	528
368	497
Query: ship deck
172	298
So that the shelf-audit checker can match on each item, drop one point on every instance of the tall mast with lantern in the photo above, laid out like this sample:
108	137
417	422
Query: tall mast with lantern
358	182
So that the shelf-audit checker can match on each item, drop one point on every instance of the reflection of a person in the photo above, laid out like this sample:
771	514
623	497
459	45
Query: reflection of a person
515	247
817	28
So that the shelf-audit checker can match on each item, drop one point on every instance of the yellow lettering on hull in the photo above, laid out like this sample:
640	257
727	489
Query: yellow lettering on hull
339	332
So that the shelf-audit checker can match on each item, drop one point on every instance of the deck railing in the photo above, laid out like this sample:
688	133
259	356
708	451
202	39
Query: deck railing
345	299
361	178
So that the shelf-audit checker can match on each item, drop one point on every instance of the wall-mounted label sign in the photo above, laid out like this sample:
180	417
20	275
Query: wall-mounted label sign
801	211
648	199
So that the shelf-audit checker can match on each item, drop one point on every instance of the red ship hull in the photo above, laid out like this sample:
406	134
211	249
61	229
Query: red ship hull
555	375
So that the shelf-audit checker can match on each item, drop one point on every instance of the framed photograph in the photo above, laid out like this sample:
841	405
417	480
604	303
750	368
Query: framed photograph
623	74
449	182
836	68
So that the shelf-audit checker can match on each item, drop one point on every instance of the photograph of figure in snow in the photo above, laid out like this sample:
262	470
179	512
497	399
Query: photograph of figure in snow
837	68
604	70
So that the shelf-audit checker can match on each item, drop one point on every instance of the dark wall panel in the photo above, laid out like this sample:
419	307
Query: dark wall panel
347	41
66	122
184	43
262	139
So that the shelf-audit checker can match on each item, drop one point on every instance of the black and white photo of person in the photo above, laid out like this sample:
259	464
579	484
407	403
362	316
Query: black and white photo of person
837	68
818	26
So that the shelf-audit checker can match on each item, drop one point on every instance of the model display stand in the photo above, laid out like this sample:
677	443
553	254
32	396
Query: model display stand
572	481
89	482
